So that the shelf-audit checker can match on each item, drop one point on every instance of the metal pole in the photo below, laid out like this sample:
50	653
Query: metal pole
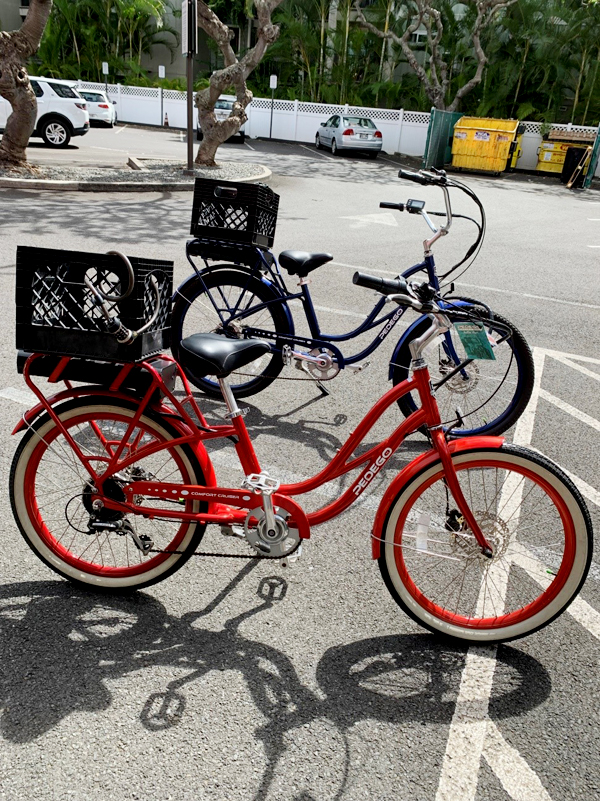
272	101
192	31
190	112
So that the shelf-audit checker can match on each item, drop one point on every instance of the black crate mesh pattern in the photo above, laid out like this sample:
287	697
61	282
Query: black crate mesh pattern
238	212
223	215
266	222
164	288
59	303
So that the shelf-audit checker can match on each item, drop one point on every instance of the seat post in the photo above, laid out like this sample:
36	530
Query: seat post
229	398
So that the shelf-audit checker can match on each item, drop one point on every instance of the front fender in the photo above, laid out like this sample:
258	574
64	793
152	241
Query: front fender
410	331
415	467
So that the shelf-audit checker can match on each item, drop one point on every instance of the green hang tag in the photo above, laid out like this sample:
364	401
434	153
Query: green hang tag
475	341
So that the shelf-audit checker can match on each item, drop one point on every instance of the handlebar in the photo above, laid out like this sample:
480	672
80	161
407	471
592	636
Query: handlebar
387	286
424	178
418	296
397	206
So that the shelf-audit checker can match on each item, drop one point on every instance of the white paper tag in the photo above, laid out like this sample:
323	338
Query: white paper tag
423	530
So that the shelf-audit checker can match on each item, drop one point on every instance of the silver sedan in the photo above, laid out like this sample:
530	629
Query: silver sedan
350	133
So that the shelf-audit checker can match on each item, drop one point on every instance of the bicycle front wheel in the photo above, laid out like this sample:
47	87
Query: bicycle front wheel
228	302
491	394
533	517
51	491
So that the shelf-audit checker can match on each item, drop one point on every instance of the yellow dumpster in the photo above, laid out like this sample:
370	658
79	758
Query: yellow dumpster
551	156
483	143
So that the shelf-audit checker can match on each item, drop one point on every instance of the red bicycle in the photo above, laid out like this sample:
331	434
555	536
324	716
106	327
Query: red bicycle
112	488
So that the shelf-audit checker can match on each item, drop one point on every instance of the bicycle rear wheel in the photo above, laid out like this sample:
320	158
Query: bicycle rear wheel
228	301
492	395
533	517
51	491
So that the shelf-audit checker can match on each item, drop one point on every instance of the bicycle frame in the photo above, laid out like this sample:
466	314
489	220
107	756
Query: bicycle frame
226	505
319	339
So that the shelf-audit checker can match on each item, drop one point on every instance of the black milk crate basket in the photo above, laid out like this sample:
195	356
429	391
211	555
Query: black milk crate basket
57	314
234	212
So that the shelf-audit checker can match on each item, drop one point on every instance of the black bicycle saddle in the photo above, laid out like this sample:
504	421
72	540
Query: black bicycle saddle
213	354
301	263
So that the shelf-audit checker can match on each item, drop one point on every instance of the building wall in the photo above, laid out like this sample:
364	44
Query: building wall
10	16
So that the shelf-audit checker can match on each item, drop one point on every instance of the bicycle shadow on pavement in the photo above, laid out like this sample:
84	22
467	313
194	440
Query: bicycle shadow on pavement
61	646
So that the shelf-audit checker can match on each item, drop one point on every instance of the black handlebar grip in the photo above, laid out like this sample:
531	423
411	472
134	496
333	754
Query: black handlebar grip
416	177
387	286
385	205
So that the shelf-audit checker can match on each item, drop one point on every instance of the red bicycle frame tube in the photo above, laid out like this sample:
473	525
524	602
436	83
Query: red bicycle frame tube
192	433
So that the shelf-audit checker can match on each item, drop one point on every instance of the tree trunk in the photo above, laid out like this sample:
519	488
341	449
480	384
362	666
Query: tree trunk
579	81
591	92
234	73
16	48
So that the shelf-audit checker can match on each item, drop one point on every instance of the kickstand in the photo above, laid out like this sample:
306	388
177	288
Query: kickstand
324	391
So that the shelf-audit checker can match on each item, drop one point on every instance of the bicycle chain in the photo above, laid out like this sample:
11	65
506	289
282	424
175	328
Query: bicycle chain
223	555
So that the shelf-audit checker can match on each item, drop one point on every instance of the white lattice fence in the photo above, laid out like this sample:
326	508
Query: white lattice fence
298	121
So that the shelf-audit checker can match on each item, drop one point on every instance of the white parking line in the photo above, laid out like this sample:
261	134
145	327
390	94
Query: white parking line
312	152
18	395
478	286
566	407
249	146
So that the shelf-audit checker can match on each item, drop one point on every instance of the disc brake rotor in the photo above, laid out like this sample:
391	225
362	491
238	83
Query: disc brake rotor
460	383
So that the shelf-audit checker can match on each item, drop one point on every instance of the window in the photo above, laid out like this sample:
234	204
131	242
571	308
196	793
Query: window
37	89
62	90
93	97
360	122
226	104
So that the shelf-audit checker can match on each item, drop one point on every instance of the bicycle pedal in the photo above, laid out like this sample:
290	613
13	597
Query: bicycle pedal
233	531
290	561
357	368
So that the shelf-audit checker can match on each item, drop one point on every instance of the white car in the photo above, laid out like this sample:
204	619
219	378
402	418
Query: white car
350	133
100	108
223	108
61	112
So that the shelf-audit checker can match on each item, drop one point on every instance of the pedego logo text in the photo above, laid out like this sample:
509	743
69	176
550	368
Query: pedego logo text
374	468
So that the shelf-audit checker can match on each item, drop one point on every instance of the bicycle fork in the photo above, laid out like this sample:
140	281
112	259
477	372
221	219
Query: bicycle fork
429	403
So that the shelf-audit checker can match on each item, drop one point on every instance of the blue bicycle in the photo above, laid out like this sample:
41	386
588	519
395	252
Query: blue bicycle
247	297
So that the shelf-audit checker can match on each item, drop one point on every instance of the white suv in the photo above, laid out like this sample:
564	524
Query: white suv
62	112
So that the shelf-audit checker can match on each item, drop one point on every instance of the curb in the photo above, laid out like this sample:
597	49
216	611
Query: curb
121	186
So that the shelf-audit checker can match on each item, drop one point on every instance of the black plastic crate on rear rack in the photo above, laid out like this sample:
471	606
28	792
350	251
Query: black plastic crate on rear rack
56	312
234	212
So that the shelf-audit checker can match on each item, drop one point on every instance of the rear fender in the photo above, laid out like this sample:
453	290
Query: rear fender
229	268
415	467
200	452
32	414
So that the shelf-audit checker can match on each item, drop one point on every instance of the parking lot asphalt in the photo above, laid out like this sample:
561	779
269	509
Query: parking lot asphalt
249	681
